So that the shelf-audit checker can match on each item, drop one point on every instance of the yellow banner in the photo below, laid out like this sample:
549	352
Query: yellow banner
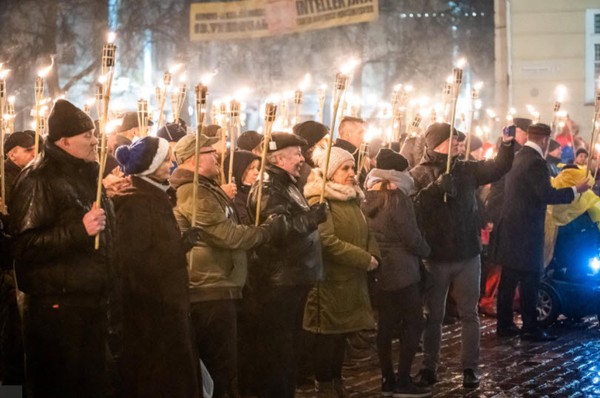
259	18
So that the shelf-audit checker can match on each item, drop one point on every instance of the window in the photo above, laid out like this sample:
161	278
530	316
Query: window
592	54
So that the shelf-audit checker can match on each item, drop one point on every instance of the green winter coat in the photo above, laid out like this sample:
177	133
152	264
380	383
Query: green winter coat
340	303
219	268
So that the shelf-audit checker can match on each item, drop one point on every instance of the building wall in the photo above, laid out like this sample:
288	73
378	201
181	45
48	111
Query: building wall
547	44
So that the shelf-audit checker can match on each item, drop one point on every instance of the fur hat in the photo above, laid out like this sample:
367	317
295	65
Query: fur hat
437	133
581	150
24	139
311	131
539	129
129	121
389	160
144	156
241	160
281	141
338	156
186	147
171	132
522	123
66	120
249	140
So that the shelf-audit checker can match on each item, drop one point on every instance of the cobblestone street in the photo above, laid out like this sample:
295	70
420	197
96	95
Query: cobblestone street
567	367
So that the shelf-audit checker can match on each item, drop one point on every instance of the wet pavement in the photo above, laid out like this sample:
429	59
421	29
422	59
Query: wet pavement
567	367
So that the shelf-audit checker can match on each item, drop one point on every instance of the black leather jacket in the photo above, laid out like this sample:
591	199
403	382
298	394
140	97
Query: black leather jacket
298	261
54	256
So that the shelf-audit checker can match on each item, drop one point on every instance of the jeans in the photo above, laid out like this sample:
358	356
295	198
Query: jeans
464	277
399	309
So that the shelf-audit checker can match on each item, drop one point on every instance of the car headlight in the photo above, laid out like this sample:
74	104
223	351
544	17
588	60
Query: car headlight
594	265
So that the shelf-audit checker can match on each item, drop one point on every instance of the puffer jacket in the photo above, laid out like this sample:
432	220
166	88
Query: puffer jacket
219	267
392	220
54	256
452	229
297	261
339	303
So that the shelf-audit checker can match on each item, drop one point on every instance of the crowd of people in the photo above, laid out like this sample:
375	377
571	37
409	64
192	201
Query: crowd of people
198	277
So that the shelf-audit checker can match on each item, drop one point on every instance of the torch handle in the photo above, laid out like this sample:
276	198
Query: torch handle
263	160
452	117
2	170
235	129
468	145
336	105
224	141
161	117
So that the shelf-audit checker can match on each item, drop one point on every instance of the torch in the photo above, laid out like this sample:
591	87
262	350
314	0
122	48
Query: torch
167	78
270	115
321	97
474	98
414	127
39	96
142	115
234	131
109	51
339	88
10	110
3	74
593	134
396	114
224	133
457	72
297	106
447	96
177	100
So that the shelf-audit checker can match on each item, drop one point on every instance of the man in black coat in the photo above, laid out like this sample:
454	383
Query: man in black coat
53	222
452	230
520	233
284	273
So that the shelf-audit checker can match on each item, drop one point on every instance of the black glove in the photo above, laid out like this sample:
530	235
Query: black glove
446	183
278	228
190	237
317	213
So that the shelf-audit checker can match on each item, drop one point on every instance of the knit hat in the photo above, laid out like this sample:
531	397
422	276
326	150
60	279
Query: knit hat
437	133
144	156
212	130
171	132
539	129
66	120
581	150
24	139
476	143
553	145
338	156
522	123
186	147
241	161
249	140
129	121
389	160
311	131
281	141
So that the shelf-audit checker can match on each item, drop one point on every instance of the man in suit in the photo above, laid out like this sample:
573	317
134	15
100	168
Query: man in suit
521	233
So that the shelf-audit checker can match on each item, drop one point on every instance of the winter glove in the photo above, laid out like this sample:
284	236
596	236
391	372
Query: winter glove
317	213
445	183
191	237
278	228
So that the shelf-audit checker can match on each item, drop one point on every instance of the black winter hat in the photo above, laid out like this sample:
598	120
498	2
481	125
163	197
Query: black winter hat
553	145
249	140
280	140
67	120
539	129
581	150
171	132
24	139
476	143
389	160
241	161
522	123
437	133
311	131
144	156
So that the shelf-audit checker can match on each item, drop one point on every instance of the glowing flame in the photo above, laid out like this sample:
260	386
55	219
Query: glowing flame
489	153
113	124
242	93
372	132
478	86
175	68
478	131
305	82
530	109
4	73
349	66
90	101
323	87
561	92
398	87
207	77
490	113
183	77
461	63
408	88
44	71
449	80
11	99
512	111
110	38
